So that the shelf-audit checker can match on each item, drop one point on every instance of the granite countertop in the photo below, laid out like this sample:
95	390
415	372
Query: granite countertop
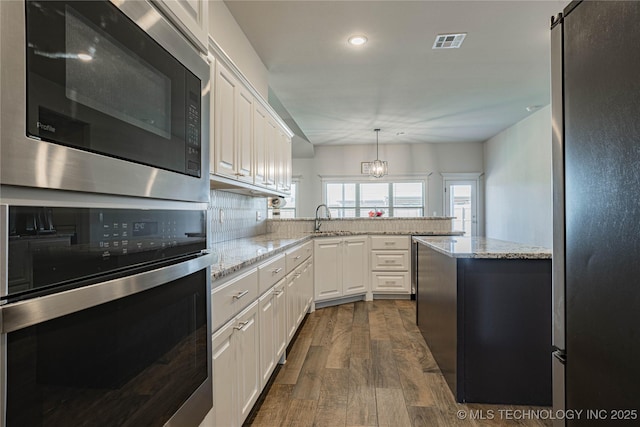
367	218
482	247
233	255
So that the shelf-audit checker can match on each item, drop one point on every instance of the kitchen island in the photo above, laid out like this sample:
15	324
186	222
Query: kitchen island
484	308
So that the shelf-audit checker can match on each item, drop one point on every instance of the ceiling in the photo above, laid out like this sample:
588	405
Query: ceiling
337	93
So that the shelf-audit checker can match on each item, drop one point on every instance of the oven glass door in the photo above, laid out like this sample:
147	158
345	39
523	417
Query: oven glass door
129	362
96	81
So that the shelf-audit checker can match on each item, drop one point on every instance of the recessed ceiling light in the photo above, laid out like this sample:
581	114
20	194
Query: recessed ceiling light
449	41
358	40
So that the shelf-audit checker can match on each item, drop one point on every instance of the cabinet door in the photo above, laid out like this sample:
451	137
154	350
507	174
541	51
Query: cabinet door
224	161
280	315
292	303
245	136
267	336
224	376
281	160
328	268
259	144
288	168
355	268
271	134
191	16
300	278
307	286
247	335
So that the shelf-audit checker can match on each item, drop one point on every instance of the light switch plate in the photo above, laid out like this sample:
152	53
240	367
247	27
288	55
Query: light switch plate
258	215
221	216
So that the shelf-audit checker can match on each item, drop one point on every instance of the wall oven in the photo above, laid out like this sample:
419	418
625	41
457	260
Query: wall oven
104	315
102	97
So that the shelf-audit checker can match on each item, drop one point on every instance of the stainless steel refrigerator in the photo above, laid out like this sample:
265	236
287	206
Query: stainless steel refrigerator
596	165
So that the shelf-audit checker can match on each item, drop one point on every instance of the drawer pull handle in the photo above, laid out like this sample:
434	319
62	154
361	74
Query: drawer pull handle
298	257
241	325
277	270
389	261
390	282
389	243
241	294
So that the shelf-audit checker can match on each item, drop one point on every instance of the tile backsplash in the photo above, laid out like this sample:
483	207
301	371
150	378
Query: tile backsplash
239	216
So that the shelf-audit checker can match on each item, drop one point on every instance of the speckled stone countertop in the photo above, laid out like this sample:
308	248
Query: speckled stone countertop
234	255
482	247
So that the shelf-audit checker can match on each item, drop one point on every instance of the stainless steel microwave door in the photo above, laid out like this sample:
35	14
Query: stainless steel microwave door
130	89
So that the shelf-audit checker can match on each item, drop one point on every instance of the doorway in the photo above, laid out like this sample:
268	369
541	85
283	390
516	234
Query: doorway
461	202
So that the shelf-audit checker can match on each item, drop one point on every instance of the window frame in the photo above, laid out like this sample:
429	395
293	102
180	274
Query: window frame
358	180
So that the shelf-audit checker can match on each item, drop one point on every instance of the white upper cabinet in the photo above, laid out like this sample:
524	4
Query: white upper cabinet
283	162
191	17
251	145
233	127
271	146
259	144
245	165
224	112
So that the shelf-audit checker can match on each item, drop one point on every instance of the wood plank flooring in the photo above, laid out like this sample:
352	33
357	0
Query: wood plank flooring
366	364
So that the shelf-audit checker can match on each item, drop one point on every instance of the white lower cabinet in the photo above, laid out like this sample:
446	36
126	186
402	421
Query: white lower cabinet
280	317
341	267
390	265
306	293
273	329
236	367
294	307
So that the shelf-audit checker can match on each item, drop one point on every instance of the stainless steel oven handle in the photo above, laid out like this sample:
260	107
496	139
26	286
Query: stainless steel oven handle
37	310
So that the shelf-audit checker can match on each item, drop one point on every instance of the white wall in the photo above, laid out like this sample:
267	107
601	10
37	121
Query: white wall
518	187
224	29
344	160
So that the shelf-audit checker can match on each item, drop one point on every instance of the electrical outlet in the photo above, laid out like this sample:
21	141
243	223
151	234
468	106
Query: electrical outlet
221	216
258	215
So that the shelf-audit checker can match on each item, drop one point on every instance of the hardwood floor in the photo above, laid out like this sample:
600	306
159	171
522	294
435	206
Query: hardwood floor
366	364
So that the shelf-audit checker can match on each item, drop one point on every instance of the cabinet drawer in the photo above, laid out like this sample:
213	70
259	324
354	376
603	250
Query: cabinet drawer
297	255
389	242
390	282
390	260
270	272
230	298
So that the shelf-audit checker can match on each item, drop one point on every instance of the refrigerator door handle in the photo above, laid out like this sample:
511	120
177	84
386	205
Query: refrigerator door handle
560	354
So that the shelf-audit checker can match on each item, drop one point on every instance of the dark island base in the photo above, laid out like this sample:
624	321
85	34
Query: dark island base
488	325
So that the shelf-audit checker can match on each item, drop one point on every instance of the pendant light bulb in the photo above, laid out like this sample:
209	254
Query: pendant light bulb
378	167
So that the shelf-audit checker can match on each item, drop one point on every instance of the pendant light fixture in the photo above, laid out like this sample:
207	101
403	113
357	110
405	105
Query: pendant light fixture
378	168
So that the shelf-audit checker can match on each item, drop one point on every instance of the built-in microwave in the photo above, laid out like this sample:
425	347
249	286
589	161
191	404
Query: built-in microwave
102	97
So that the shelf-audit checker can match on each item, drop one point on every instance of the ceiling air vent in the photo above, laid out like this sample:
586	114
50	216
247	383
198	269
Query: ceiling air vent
449	41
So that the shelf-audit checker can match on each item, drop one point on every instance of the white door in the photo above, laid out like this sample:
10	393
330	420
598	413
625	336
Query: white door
225	377
328	268
247	336
267	335
355	267
461	202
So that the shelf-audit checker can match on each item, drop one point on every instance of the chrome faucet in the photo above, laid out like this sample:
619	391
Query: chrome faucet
318	223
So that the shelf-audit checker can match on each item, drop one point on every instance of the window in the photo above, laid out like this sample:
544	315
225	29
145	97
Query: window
357	199
288	205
